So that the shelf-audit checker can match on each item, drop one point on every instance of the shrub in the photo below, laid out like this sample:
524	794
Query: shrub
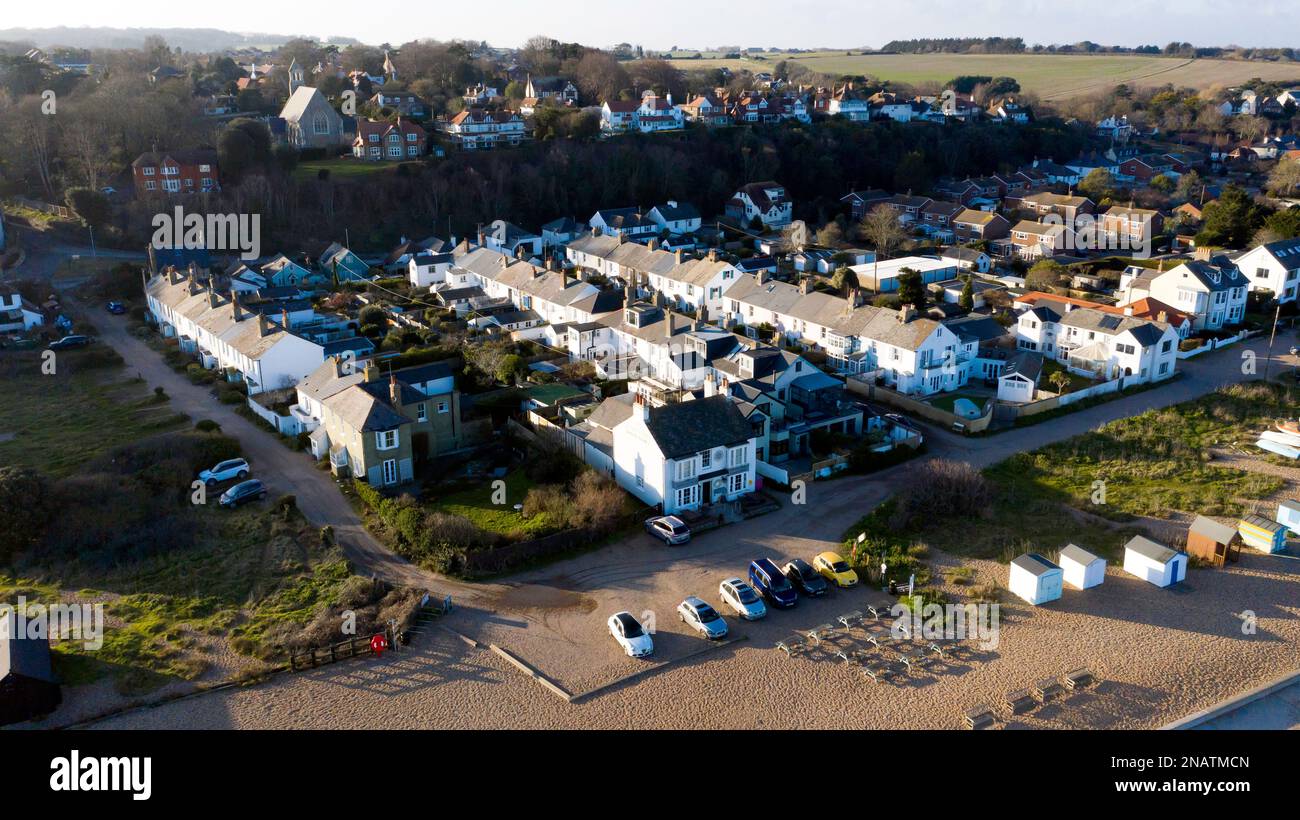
938	489
207	426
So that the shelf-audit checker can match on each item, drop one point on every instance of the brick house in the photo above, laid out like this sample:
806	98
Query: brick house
176	172
379	140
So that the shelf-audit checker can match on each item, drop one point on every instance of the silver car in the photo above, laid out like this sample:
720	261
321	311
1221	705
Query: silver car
670	528
703	618
742	599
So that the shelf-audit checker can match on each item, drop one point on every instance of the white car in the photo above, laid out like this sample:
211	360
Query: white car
742	599
629	633
225	471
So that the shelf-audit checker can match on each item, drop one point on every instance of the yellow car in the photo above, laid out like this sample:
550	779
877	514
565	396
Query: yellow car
835	569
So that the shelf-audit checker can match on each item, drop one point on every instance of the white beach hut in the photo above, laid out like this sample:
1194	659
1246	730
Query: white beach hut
1288	514
1154	563
1080	568
1035	579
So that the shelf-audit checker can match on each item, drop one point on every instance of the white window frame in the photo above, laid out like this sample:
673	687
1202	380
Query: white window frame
387	440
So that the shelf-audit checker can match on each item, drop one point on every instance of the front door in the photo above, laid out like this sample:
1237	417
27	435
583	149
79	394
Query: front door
719	489
390	471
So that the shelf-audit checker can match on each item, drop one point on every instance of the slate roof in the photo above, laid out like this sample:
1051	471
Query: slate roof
1111	324
691	426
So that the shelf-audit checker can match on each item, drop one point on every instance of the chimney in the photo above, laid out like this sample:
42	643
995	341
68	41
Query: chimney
212	298
482	237
713	254
519	251
761	277
906	313
284	319
710	387
505	261
1201	254
622	237
192	286
371	372
805	285
1163	317
263	326
678	255
550	263
338	367
236	312
1128	310
595	230
668	324
394	391
653	244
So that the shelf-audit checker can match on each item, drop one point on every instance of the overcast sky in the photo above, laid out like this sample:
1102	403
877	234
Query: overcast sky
660	24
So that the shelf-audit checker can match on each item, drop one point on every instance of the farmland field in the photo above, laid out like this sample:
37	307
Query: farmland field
1051	76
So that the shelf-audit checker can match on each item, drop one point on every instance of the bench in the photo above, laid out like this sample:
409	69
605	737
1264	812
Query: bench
1078	679
1047	689
1020	700
817	633
850	618
979	717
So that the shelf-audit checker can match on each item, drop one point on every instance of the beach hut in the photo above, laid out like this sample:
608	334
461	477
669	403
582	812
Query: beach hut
1212	542
1288	514
1262	534
1154	563
28	687
1035	579
1080	568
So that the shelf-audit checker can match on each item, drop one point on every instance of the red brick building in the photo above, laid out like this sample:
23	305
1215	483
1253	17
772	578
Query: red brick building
166	173
381	140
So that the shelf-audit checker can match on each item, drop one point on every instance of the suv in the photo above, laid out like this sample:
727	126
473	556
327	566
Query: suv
771	584
69	342
242	493
226	470
805	579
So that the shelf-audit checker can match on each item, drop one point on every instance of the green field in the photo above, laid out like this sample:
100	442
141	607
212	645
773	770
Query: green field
1051	76
341	168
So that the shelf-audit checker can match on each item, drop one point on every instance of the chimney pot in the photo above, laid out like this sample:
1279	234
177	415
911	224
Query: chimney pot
263	326
394	391
678	255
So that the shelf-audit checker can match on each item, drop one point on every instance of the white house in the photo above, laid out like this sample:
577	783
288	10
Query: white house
765	201
1018	380
1273	267
1154	563
686	283
426	270
675	218
223	334
684	455
1212	292
18	314
1080	568
1100	343
1034	578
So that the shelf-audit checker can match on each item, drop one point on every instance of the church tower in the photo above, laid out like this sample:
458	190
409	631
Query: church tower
295	77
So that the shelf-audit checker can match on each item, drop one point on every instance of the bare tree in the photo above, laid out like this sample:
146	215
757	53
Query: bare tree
882	228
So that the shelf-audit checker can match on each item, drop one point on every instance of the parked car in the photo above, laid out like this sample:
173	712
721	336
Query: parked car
242	493
702	618
629	633
835	569
225	471
670	528
742	599
116	308
69	342
771	584
805	579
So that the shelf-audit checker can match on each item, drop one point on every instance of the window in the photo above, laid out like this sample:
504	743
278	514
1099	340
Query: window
148	170
386	440
736	483
706	459
1164	368
390	471
685	469
150	185
421	413
737	456
687	496
320	124
1164	348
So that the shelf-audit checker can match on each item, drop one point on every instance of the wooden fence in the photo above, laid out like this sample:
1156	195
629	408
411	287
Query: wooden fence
321	656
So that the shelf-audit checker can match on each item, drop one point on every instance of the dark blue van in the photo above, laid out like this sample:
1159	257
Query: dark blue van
771	584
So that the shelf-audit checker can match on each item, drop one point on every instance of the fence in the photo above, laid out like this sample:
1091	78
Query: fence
44	207
918	408
1214	344
320	656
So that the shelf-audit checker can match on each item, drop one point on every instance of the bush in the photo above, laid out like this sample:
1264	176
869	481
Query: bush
938	489
207	426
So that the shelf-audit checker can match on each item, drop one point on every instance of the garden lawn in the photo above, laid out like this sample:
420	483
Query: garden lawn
477	505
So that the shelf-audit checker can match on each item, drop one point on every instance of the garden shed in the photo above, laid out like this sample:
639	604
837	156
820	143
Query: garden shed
1154	563
1080	568
1212	542
1035	579
1263	534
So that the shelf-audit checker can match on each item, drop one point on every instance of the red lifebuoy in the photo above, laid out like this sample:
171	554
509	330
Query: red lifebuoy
378	644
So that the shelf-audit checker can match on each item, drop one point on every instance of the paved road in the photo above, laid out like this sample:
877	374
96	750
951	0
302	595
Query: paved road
284	470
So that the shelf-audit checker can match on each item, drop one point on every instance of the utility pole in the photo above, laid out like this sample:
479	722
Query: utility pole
1277	314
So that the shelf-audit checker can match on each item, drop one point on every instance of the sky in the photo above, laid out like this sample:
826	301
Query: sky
661	24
